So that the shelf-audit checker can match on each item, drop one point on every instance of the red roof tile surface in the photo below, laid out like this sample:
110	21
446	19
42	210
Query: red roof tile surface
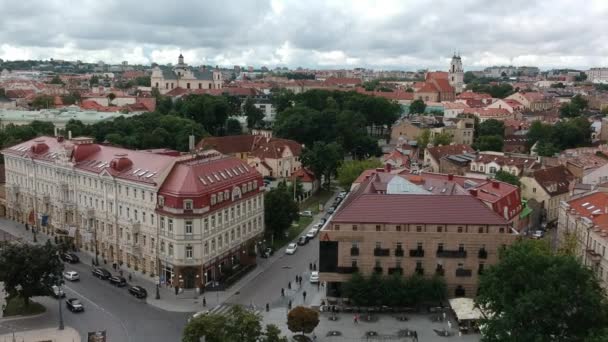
555	180
257	145
440	151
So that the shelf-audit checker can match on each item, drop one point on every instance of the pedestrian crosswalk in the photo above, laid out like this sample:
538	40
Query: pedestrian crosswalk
224	309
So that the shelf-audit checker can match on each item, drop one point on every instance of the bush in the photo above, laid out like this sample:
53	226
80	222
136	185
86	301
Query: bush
16	306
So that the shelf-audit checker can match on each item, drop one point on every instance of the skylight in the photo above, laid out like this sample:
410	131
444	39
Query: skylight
136	171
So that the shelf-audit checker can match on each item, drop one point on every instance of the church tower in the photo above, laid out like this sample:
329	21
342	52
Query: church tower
180	59
456	74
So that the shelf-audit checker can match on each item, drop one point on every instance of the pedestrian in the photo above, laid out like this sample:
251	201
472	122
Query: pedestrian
282	292
204	302
356	319
289	285
289	305
314	266
304	295
267	307
310	266
416	336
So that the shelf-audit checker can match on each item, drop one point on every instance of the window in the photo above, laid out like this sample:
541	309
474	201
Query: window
355	227
418	229
336	227
419	245
480	230
188	204
189	252
135	214
378	228
161	201
188	227
501	230
206	225
162	246
378	244
439	229
460	229
353	263
461	247
170	224
213	199
206	248
170	249
162	223
398	228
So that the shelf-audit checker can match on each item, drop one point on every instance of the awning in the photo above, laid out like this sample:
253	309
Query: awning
465	309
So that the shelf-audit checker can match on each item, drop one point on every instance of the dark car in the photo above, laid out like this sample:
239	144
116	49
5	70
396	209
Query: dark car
138	292
101	273
302	240
70	257
74	305
118	281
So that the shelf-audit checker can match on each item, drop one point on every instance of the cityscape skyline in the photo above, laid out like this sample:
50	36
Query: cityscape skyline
290	34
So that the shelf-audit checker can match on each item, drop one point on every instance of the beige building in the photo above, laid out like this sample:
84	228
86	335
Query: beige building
582	221
393	228
433	155
405	129
533	101
183	76
548	187
461	130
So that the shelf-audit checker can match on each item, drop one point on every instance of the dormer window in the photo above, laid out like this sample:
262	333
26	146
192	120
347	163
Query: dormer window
188	204
213	199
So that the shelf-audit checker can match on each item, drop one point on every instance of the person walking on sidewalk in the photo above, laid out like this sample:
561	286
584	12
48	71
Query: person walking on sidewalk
304	296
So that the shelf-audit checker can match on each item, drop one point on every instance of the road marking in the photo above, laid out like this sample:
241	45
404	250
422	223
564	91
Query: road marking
103	310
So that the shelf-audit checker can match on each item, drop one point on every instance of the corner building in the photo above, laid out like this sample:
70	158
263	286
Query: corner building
378	230
182	218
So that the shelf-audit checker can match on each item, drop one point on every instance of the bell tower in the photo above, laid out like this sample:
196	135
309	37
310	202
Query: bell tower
456	73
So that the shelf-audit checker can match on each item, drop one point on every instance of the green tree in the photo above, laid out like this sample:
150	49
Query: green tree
489	143
491	127
417	106
94	80
507	177
442	139
43	269
144	81
43	101
526	281
272	334
233	127
424	138
302	319
2	93
323	159
56	80
255	116
351	169
111	97
70	98
469	77
280	210
575	108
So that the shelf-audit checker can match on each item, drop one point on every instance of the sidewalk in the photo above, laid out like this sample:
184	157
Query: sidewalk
43	335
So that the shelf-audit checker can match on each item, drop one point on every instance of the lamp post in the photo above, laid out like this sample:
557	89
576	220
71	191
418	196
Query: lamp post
96	251
60	309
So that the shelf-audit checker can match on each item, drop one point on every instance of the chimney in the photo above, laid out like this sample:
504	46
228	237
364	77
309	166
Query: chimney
450	176
473	192
495	184
191	142
388	167
69	135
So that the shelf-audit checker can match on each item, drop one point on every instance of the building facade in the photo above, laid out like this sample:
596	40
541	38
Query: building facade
456	74
377	230
139	209
183	76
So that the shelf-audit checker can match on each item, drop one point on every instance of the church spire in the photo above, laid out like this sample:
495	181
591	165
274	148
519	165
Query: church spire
180	59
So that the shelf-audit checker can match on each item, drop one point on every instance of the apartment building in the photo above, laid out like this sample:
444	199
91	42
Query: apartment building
583	220
381	228
181	217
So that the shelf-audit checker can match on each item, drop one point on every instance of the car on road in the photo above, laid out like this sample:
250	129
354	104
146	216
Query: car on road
539	234
101	273
198	314
291	248
314	277
311	234
302	240
70	257
138	292
71	275
74	305
342	194
57	291
315	229
331	210
322	221
306	213
118	281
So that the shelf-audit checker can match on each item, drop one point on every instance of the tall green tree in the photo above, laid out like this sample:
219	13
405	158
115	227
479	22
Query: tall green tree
280	210
351	169
491	127
507	177
255	116
233	127
489	143
424	138
42	270
56	80
302	319
323	159
417	106
42	102
534	295
442	139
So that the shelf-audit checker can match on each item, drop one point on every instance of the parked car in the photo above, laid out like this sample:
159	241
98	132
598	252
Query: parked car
118	281
198	314
315	229
311	234
314	277
539	234
138	292
267	252
70	257
306	213
342	194
291	248
322	221
57	291
71	275
74	305
331	210
101	273
302	240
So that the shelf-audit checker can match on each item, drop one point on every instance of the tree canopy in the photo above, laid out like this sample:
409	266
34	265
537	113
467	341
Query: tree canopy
507	177
44	269
489	143
238	325
498	90
42	102
280	210
302	319
534	295
491	127
574	108
568	133
255	116
323	159
442	139
351	169
417	106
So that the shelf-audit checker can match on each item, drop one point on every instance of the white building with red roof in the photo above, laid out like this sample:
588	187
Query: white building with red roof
188	219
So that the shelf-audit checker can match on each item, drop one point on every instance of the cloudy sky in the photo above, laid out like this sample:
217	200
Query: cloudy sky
392	34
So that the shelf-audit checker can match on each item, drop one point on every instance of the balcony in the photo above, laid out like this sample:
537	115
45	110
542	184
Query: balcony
354	251
483	254
378	270
461	272
594	256
451	254
440	271
419	271
395	270
347	270
398	252
417	253
382	252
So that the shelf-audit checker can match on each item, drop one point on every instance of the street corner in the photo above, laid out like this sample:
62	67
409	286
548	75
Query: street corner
68	334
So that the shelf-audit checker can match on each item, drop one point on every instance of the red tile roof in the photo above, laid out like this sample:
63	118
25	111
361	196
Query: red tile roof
304	175
555	180
391	95
440	151
405	209
593	206
257	145
473	95
342	81
434	75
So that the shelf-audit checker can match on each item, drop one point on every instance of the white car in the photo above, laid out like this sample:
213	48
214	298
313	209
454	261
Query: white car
71	275
314	277
198	314
342	194
539	234
306	213
57	292
291	248
318	226
311	234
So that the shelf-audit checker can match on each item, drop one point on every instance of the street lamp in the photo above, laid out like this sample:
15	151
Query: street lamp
96	251
60	309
